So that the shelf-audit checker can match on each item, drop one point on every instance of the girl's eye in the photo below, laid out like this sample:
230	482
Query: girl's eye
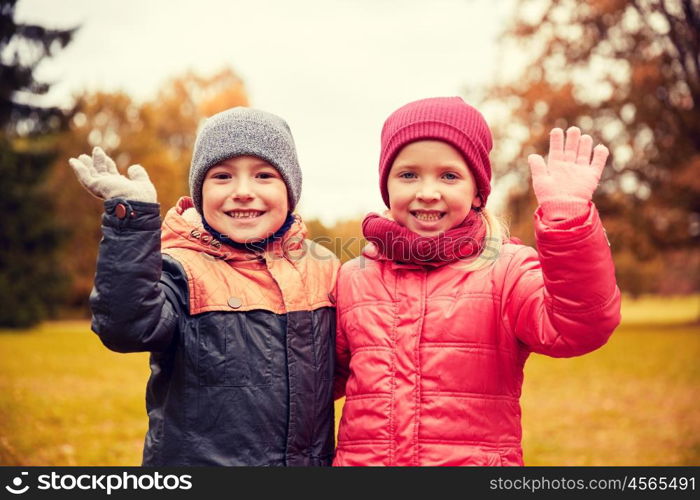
407	175
450	176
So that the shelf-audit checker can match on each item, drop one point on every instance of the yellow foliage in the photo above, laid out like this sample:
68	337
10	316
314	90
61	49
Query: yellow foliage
344	238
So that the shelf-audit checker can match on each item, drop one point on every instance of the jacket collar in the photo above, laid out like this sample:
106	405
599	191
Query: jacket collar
183	228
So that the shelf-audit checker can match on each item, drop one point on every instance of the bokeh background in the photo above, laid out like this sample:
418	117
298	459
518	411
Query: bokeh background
137	78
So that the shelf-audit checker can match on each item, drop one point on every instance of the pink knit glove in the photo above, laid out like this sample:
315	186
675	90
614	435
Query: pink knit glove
565	184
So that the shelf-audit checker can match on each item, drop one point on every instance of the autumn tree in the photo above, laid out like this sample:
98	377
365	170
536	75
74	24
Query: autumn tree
626	72
158	134
344	238
30	281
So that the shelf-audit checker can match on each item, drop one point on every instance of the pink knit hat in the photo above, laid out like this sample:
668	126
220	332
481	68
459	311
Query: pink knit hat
447	119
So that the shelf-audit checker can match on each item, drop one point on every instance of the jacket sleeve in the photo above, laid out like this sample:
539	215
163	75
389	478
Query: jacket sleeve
342	354
565	301
137	298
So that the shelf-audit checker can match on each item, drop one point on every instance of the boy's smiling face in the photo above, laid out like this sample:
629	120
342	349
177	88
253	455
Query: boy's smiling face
244	198
431	188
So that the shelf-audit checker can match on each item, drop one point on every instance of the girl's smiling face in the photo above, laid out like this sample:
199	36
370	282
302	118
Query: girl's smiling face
244	198
431	188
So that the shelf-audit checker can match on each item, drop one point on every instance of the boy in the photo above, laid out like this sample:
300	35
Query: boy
231	301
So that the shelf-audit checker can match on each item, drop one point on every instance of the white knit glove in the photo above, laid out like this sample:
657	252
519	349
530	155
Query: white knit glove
99	175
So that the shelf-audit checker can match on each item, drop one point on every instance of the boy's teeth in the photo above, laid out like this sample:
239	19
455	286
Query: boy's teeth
244	215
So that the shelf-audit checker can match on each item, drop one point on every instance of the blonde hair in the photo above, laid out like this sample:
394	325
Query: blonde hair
497	233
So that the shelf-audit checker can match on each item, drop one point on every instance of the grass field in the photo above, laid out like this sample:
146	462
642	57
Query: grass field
67	400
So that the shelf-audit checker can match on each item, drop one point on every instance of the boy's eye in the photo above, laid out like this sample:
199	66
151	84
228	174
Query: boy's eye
265	175
221	175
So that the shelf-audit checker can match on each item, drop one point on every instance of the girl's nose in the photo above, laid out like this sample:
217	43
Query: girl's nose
428	192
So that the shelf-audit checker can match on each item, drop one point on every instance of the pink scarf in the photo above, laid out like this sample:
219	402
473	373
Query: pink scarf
394	242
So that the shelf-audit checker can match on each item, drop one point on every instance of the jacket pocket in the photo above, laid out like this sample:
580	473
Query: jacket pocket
234	349
323	326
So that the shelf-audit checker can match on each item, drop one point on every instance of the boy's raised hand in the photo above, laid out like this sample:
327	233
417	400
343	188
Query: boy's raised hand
569	175
99	175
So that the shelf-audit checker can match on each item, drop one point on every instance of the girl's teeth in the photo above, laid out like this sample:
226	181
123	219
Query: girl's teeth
428	217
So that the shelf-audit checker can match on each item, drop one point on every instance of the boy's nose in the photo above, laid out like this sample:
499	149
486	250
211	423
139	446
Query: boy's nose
242	191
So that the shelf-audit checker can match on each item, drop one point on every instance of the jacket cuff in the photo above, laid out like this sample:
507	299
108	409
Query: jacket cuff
572	230
564	213
140	215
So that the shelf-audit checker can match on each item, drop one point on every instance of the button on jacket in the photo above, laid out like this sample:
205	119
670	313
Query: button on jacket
431	361
241	344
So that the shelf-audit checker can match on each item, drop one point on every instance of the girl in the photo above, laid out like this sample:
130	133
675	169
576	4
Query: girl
437	318
235	310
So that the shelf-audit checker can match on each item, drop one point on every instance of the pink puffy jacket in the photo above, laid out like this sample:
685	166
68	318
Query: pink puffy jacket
431	361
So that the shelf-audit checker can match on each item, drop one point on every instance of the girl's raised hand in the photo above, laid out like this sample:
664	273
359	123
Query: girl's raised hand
569	175
99	176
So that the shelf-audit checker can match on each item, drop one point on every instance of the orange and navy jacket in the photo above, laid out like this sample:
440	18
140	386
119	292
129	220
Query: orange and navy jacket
241	343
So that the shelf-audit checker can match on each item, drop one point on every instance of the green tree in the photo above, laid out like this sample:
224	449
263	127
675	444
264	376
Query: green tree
628	73
30	284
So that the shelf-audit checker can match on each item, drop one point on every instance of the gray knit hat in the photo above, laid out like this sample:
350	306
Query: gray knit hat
245	131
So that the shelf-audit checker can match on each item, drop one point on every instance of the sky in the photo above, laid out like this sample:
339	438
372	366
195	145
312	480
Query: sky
333	69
